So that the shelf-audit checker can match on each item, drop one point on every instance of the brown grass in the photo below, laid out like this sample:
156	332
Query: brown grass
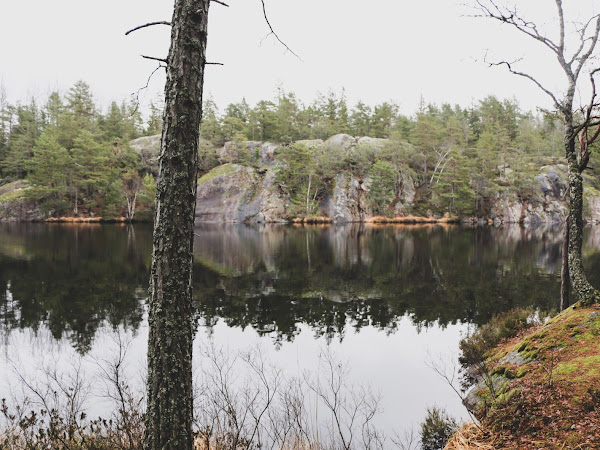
82	219
553	401
470	437
312	219
410	219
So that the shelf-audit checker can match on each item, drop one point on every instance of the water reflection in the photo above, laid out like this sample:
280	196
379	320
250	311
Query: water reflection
273	278
76	279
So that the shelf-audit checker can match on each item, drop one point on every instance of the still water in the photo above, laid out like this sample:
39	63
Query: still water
388	300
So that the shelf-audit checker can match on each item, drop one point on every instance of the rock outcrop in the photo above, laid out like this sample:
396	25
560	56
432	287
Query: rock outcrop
244	188
545	204
346	203
237	193
148	150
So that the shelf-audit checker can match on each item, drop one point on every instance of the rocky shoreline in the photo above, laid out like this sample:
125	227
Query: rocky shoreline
250	193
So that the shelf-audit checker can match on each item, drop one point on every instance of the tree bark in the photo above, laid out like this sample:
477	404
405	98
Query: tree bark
584	291
564	272
171	321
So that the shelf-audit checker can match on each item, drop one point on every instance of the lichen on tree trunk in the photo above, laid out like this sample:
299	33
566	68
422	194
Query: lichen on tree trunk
171	317
584	291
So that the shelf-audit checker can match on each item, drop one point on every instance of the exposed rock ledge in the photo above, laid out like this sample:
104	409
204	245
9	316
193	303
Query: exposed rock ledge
237	193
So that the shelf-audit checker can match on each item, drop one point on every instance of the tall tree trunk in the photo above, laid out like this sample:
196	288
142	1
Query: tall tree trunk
564	272
169	412
584	291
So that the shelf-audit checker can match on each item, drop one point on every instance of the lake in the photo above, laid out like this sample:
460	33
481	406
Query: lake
388	300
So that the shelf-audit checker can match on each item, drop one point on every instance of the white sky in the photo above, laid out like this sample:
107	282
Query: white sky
378	50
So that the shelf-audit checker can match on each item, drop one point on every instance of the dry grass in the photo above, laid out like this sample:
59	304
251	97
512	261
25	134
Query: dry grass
82	219
312	219
471	437
553	400
410	219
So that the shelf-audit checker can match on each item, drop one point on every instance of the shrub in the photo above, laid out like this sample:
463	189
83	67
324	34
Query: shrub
436	429
474	348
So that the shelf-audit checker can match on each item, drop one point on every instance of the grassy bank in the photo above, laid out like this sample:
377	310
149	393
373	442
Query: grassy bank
547	388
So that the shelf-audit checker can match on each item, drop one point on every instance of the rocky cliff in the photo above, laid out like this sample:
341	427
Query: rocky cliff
244	187
239	193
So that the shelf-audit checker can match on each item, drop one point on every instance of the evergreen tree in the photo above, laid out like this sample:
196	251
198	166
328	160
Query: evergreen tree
301	177
360	120
22	140
51	172
263	121
383	120
287	117
382	188
154	124
53	109
210	129
451	187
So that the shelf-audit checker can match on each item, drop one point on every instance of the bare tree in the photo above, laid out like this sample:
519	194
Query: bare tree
574	61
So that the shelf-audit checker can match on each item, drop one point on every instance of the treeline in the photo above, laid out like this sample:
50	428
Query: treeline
459	158
77	159
286	119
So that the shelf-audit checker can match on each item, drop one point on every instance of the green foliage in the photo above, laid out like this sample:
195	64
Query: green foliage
302	177
451	185
458	159
72	155
146	198
154	123
383	185
436	429
475	348
22	137
207	157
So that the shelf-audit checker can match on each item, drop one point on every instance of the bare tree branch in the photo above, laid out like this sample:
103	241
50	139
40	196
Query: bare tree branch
150	24
512	18
594	40
582	35
220	2
530	78
162	60
273	31
137	94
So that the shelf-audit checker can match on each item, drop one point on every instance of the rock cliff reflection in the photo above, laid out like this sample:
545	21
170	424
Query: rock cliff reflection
77	279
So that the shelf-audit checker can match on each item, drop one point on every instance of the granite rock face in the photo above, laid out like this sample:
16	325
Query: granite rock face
148	150
546	203
21	210
255	152
237	193
346	203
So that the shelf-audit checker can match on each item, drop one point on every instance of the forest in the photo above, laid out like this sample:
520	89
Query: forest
74	157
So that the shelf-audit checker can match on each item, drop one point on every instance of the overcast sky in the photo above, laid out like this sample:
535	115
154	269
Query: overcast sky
378	50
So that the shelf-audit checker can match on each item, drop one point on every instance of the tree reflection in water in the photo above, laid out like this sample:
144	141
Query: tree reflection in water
75	279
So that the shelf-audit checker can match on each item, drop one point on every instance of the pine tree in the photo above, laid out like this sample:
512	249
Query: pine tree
21	140
382	188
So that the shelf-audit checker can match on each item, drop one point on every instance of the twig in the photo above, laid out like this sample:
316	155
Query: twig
529	77
220	2
137	94
273	31
150	24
